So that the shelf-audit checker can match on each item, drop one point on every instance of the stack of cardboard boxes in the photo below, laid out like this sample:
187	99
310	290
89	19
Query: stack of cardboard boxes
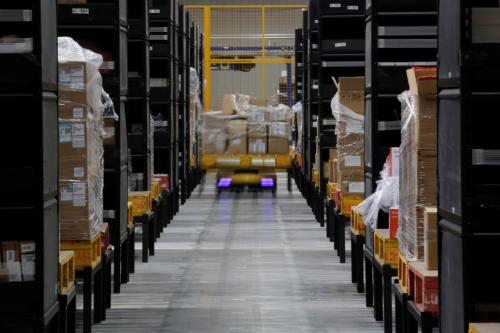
17	261
256	130
350	139
80	156
283	89
418	162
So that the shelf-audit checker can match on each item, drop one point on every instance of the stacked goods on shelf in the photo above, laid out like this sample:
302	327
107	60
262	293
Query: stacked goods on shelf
17	261
245	128
195	111
418	159
348	110
80	142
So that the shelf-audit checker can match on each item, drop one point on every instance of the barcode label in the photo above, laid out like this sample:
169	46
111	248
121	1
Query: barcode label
341	44
335	5
154	11
352	7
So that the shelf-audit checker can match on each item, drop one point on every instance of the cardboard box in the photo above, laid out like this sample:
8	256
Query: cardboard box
333	154
352	93
351	182
393	222
110	131
421	129
256	130
326	170
237	137
278	145
257	145
28	259
229	104
279	130
73	83
430	238
259	101
393	162
213	142
80	209
11	260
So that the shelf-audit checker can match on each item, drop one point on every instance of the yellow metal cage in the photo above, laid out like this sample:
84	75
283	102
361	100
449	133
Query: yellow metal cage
246	48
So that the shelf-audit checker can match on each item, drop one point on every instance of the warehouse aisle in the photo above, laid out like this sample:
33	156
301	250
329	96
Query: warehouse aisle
242	262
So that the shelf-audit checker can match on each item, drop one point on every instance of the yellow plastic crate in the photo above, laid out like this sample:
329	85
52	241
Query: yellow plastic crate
403	272
66	271
346	204
141	202
87	252
357	222
315	178
386	249
155	189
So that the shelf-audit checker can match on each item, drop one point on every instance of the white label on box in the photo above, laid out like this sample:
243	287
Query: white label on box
77	113
28	266
237	141
352	161
66	193
9	256
315	46
315	86
27	247
78	130
352	7
356	187
14	268
354	127
79	189
316	21
79	172
335	5
79	200
78	142
64	133
343	44
80	11
154	11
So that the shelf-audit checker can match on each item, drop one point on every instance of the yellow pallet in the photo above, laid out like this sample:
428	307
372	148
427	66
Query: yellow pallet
66	271
87	252
155	189
141	202
346	203
246	161
403	272
484	327
130	214
386	249
357	222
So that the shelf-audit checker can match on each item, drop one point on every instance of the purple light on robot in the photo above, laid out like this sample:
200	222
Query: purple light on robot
267	182
224	182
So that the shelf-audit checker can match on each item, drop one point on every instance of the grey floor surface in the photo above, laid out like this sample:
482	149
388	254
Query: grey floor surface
241	262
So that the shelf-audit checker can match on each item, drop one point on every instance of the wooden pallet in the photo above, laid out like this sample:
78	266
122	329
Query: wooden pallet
66	271
87	252
141	202
423	287
385	249
484	327
357	222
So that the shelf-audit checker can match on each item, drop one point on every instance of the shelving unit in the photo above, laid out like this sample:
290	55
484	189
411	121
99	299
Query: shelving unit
28	195
468	160
299	75
398	36
102	26
162	67
341	39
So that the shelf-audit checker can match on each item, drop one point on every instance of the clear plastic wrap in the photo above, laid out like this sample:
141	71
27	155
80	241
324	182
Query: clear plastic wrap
418	163
297	110
385	197
81	113
253	130
348	110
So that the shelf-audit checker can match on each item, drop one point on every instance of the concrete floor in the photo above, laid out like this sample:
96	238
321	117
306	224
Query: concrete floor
241	262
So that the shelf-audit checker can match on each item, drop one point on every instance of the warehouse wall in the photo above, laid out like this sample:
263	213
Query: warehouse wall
242	28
